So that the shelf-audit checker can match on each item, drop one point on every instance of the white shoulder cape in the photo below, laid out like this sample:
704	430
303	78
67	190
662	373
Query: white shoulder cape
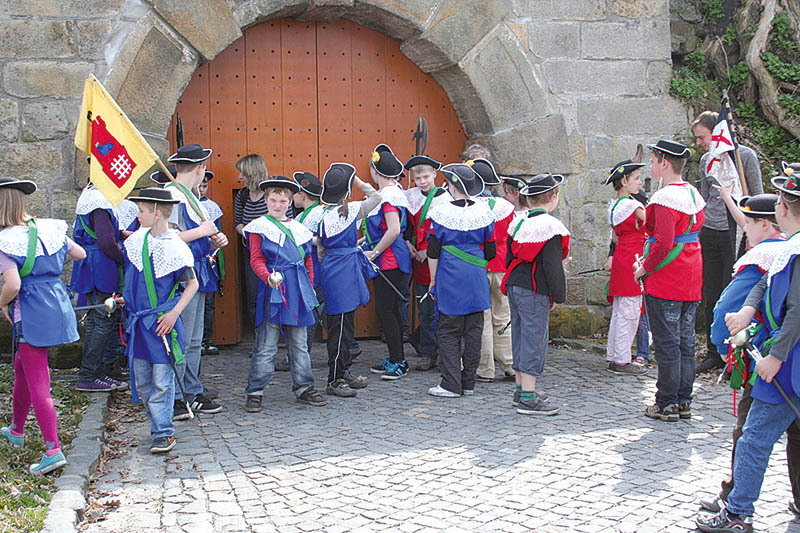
416	199
540	228
790	249
212	208
679	197
91	199
625	208
313	218
472	217
178	195
264	227
51	232
392	195
168	252
125	212
502	207
762	255
335	224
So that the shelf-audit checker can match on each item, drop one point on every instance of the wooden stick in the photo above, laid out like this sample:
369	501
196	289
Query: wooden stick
175	182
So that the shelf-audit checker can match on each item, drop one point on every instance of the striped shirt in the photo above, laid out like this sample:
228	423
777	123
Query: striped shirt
245	210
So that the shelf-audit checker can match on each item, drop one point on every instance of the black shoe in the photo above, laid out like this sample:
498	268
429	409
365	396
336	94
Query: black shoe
253	403
210	349
517	396
179	411
162	444
685	411
355	351
712	362
724	522
536	406
311	396
793	507
482	379
714	504
668	413
210	393
341	389
201	404
425	363
282	365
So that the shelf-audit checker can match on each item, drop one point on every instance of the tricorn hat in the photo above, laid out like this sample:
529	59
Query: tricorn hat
541	183
758	206
337	183
789	183
673	148
26	186
485	170
308	183
517	183
154	194
190	153
422	160
159	177
622	169
208	175
279	181
385	162
464	177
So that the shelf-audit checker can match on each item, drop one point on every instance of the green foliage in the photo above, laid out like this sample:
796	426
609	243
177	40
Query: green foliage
695	61
730	36
713	10
694	88
788	71
773	141
738	73
790	103
24	497
750	32
782	34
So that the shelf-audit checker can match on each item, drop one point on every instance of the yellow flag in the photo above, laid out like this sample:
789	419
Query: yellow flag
119	154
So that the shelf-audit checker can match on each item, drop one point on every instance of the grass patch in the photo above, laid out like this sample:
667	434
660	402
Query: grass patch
24	497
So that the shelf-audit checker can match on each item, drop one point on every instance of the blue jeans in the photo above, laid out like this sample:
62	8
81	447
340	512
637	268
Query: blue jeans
643	338
189	370
156	387
262	365
100	329
764	426
672	324
426	313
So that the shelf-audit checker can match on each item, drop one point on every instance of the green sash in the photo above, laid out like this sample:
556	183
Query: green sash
306	211
614	207
423	214
288	233
464	256
530	212
149	281
676	250
30	258
92	234
188	194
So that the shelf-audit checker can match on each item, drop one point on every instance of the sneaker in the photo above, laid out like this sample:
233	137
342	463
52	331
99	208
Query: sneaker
311	396
380	368
629	369
640	361
282	365
685	411
201	404
179	411
395	371
96	385
13	440
793	507
210	393
509	375
668	413
425	363
712	504
162	444
341	389
253	403
724	522
441	392
482	379
515	401
210	349
356	382
468	392
48	464
115	383
536	406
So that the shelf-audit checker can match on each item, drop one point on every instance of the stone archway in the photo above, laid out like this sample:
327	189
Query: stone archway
468	47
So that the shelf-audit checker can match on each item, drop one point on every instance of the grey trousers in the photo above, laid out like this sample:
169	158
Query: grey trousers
459	350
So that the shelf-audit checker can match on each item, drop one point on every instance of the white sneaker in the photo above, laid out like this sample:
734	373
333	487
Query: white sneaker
442	393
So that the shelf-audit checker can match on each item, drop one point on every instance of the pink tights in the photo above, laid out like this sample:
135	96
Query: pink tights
32	387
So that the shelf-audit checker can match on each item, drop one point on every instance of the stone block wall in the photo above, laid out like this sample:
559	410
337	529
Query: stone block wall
567	86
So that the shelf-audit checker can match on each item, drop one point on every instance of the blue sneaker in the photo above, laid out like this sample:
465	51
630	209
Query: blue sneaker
381	368
48	464
395	371
13	440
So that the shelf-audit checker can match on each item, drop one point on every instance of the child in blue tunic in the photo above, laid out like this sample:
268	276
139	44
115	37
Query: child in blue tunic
777	297
35	301
281	248
157	262
343	272
97	230
216	267
460	246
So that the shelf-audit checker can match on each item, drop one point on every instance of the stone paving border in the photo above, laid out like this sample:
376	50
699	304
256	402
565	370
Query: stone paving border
69	501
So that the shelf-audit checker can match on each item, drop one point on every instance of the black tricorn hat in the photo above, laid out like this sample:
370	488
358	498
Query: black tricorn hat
622	169
541	183
758	206
423	160
190	153
464	177
156	195
208	175
159	177
26	186
308	183
485	170
279	181
337	183
789	183
385	162
517	183
673	148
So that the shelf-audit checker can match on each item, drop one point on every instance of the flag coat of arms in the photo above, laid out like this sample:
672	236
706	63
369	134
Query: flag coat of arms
118	153
720	164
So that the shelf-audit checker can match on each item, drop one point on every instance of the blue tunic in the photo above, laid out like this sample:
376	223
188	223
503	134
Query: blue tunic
201	247
394	196
311	218
210	263
730	301
293	302
461	288
344	269
96	271
45	307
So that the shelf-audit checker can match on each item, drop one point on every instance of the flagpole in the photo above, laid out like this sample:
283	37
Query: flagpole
739	164
175	182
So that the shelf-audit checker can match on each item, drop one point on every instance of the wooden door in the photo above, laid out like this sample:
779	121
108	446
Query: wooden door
304	95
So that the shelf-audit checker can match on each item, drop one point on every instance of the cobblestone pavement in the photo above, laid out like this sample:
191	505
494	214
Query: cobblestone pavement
397	459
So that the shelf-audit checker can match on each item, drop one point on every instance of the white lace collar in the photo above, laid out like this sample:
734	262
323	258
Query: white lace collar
212	208
392	195
51	232
761	255
168	252
502	207
625	208
91	199
536	229
335	224
264	227
472	217
313	218
678	196
416	199
126	212
790	249
177	194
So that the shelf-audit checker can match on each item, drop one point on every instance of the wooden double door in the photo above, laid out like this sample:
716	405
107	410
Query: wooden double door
304	95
